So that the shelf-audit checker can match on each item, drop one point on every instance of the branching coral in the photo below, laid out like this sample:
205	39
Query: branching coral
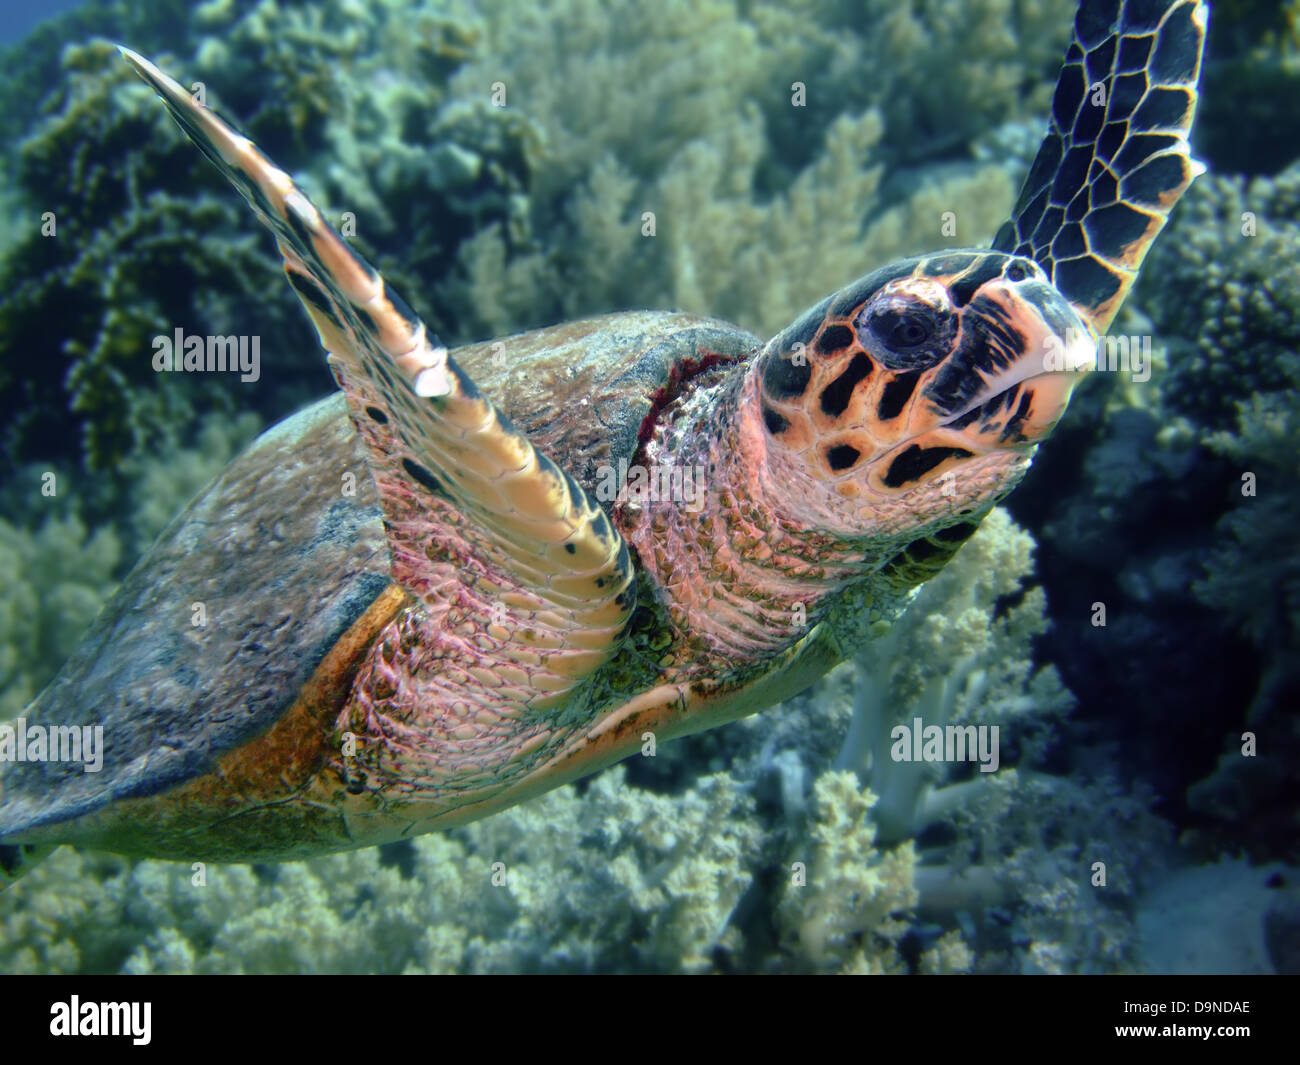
120	267
1065	861
952	660
765	196
1252	577
53	582
660	876
845	902
611	878
1017	838
147	238
1230	300
1218	287
995	56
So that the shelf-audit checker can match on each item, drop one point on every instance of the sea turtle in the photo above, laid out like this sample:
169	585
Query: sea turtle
411	605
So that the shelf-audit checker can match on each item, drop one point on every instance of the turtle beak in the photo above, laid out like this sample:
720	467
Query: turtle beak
1001	392
1027	349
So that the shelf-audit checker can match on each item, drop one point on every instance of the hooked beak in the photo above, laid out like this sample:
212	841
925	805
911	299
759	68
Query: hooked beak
1020	403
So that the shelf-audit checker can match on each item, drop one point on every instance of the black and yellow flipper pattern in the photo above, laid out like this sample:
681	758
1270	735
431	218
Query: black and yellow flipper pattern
1116	158
434	439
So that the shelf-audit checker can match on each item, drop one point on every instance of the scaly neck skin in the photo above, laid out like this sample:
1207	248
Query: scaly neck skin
740	571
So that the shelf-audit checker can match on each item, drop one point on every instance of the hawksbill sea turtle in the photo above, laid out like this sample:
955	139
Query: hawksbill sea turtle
478	622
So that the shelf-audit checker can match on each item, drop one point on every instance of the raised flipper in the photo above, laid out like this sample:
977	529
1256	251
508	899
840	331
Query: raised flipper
552	558
1116	157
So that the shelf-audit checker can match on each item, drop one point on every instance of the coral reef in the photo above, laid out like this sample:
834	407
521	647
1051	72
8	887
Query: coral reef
120	267
609	878
1173	503
850	910
964	656
1254	575
1216	292
739	160
147	238
1252	578
761	205
953	660
54	580
777	863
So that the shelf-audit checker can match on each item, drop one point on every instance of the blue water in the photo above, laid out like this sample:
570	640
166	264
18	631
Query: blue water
19	17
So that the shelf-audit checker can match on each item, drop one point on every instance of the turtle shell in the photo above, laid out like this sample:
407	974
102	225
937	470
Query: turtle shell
244	600
582	391
215	629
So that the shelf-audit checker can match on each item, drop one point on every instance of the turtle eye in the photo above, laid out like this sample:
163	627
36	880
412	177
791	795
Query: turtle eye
904	330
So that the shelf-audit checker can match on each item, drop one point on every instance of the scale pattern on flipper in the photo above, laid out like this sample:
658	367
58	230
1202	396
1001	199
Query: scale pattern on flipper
435	442
1115	159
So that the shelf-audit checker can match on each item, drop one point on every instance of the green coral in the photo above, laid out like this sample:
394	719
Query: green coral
760	205
851	909
599	881
148	238
1252	577
951	659
1229	303
605	879
55	579
998	57
1218	287
1067	860
120	267
1019	838
493	219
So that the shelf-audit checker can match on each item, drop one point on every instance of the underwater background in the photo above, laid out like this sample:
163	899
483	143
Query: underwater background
1122	742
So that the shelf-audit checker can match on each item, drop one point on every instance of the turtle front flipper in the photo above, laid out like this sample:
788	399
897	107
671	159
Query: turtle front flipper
547	567
1115	159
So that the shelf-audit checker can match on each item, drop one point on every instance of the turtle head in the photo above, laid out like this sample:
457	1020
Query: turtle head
917	395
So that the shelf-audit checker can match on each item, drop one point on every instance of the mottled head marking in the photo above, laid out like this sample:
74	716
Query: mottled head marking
927	381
